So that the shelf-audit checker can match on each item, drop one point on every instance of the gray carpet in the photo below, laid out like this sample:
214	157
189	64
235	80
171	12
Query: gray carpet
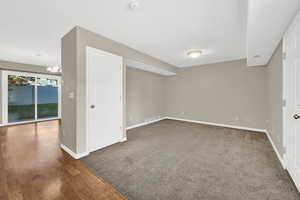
172	160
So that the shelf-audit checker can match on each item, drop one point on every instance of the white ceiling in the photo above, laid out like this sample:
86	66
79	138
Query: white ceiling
165	29
266	23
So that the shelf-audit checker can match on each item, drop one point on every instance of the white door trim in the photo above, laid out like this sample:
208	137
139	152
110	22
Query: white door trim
284	82
286	116
284	98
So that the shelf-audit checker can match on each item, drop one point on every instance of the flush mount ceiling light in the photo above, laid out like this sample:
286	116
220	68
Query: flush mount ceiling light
194	53
133	4
54	69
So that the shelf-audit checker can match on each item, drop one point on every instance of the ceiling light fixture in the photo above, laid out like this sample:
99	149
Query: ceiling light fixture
133	4
54	69
194	53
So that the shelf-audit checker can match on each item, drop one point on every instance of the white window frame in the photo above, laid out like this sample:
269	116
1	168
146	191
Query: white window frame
4	91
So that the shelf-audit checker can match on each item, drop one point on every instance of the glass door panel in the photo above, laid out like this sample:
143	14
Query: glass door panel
47	98
21	98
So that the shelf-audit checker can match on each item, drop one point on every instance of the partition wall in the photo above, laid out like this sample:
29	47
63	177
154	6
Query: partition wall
29	97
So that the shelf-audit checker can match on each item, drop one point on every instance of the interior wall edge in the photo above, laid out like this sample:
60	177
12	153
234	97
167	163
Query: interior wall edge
275	98
71	153
69	63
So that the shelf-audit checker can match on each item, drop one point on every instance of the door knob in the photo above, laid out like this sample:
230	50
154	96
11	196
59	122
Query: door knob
92	106
296	116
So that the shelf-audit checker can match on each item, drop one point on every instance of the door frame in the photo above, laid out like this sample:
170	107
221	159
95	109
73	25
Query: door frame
286	92
284	100
285	87
4	90
123	129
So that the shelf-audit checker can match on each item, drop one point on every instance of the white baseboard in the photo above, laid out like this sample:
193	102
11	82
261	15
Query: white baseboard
124	139
71	153
145	123
218	124
280	158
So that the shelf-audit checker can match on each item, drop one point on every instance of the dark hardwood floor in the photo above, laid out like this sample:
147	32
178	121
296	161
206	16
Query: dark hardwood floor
33	167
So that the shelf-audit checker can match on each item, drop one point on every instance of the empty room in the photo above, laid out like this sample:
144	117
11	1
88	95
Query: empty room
144	100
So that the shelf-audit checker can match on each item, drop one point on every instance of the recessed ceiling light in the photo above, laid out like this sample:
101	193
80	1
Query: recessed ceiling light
194	53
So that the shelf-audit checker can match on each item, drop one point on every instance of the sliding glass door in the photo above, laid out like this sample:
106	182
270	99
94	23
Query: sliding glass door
21	98
47	98
29	97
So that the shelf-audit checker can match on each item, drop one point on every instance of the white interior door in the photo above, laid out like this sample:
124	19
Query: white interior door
292	92
104	98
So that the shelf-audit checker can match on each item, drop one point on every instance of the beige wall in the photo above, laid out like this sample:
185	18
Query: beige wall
69	69
227	93
145	96
274	85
